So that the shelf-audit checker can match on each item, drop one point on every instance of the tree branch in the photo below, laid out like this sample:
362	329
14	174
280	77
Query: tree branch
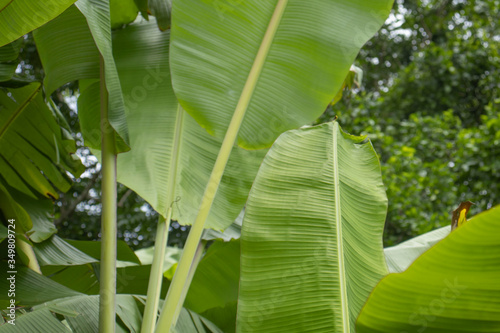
67	212
124	198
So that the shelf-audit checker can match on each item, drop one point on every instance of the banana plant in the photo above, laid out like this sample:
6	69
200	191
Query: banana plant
114	139
327	70
254	70
160	165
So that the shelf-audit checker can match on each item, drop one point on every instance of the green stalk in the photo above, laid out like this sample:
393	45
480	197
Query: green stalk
167	316
156	276
197	258
107	304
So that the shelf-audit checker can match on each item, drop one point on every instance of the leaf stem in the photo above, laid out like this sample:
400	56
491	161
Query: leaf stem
197	258
107	303
174	296
156	276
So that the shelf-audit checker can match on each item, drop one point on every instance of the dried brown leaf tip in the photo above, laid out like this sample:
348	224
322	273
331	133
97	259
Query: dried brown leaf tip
459	216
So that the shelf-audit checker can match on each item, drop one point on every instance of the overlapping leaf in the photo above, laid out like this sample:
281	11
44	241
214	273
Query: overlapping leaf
311	248
37	321
33	288
151	115
33	216
152	111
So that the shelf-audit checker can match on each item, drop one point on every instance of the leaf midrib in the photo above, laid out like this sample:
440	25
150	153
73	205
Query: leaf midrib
340	245
7	5
258	64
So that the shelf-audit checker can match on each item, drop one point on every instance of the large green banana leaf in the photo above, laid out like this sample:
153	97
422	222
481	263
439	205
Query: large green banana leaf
311	248
68	32
453	287
18	17
35	151
215	44
401	256
141	53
